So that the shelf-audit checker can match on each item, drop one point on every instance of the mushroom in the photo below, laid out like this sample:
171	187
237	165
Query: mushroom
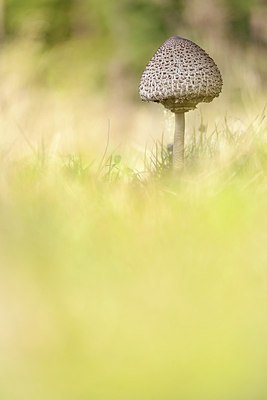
179	76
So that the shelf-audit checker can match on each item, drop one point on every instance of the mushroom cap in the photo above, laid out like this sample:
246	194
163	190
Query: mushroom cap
180	75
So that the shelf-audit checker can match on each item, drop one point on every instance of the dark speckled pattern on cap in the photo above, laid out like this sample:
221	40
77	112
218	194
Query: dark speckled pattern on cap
180	75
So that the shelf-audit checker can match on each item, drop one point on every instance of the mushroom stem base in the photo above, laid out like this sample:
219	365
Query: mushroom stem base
178	142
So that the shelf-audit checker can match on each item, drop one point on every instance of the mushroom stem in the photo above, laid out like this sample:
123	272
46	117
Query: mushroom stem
178	142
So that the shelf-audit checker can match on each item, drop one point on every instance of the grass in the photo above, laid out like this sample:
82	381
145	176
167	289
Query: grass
118	280
117	284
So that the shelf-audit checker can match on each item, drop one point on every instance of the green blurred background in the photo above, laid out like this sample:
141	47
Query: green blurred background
125	32
87	56
114	39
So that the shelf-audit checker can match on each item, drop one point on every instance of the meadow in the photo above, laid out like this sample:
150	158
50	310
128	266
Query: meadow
118	279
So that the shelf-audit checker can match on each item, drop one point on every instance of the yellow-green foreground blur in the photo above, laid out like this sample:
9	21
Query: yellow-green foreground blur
117	291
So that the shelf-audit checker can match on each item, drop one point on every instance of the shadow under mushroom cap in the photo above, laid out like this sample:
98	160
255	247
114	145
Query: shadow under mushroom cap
180	75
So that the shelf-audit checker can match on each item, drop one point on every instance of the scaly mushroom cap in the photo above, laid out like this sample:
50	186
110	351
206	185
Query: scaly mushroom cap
180	75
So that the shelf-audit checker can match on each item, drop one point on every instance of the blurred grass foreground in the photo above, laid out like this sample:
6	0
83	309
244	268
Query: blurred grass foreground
118	281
